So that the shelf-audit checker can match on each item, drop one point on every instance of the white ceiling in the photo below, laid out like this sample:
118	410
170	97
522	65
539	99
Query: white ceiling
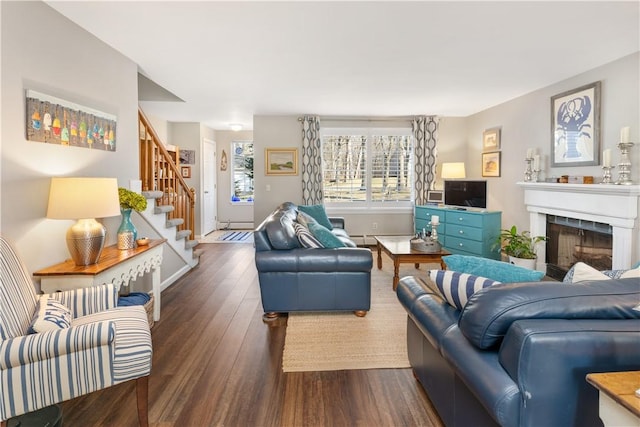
231	60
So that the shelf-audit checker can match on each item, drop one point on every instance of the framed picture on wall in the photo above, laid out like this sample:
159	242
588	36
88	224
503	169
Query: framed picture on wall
491	139
575	127
491	164
281	161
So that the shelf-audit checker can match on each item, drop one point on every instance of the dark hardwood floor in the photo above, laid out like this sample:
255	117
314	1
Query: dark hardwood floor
215	363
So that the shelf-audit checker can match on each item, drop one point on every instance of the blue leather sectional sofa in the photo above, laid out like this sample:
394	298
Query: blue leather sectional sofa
517	354
293	278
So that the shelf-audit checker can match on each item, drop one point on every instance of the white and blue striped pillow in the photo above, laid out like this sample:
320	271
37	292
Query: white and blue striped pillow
457	287
306	239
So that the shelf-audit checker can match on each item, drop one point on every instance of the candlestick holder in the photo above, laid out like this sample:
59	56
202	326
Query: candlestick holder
624	166
606	175
527	171
535	175
434	232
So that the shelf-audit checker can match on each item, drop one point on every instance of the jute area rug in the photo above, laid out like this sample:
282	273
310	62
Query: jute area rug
340	341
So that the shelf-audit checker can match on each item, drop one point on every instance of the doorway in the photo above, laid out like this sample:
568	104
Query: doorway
209	188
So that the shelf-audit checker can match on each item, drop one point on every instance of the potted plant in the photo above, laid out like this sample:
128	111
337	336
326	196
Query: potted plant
127	233
519	246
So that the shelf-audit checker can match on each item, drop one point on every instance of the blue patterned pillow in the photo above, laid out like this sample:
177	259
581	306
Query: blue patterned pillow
457	287
306	238
50	315
318	213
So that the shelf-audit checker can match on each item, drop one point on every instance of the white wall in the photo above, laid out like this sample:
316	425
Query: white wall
44	51
526	122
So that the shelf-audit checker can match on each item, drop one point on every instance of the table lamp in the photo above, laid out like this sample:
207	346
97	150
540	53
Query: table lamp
84	199
453	170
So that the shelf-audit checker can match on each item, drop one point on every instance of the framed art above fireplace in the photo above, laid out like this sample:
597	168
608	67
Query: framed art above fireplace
575	127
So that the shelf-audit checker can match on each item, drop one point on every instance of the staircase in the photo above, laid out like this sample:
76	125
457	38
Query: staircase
170	202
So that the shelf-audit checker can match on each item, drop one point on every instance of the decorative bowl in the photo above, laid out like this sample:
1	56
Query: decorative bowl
144	241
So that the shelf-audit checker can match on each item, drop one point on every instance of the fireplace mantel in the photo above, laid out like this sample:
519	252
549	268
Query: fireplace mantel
616	205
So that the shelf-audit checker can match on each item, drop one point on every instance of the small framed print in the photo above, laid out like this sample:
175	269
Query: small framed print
491	139
491	163
185	171
281	161
435	197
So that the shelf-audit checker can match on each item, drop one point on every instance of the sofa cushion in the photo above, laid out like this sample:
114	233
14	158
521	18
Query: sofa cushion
492	269
325	236
581	271
489	314
458	287
280	230
306	238
318	213
50	315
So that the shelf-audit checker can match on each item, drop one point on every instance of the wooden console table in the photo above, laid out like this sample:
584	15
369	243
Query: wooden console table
115	266
619	405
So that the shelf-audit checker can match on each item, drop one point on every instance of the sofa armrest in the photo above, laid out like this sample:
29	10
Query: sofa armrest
550	358
85	301
336	222
34	348
315	260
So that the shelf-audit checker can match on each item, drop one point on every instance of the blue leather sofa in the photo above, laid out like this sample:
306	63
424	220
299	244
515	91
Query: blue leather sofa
293	278
517	354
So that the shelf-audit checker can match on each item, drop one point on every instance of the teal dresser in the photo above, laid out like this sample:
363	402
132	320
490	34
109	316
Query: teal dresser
461	232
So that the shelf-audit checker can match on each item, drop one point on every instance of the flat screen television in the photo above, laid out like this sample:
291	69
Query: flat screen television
465	193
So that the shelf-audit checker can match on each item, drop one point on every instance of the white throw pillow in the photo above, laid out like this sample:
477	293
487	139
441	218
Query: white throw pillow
635	272
50	315
582	271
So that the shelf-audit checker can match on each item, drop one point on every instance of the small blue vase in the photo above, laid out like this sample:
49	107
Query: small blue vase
127	233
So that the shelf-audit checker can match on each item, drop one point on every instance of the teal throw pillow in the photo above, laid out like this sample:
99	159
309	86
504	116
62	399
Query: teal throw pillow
492	269
325	236
318	213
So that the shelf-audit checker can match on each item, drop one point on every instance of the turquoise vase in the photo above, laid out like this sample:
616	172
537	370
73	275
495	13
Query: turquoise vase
127	233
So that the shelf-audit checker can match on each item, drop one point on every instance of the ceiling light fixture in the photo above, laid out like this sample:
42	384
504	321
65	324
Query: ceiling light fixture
235	127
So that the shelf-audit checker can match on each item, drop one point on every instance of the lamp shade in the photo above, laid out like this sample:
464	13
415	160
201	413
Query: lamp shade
84	199
80	198
453	170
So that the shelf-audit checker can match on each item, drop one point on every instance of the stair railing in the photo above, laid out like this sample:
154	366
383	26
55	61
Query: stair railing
159	172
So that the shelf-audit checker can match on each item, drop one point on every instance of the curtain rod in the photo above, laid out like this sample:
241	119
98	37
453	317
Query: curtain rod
364	119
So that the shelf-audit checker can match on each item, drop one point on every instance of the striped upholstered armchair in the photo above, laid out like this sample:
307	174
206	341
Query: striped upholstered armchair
79	343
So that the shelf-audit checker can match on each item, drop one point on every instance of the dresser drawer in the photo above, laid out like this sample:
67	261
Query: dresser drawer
471	246
464	232
464	218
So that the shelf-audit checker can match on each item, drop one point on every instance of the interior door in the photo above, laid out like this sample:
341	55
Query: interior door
209	191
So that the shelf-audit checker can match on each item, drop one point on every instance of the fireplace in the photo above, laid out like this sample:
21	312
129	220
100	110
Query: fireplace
608	210
573	240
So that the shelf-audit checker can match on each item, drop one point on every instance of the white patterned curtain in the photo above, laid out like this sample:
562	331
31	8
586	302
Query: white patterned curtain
312	193
425	132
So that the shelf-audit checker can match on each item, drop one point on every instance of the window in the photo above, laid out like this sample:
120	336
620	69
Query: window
242	171
368	167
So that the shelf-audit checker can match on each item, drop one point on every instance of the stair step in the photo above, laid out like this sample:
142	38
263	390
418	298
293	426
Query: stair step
190	244
197	253
163	209
183	234
174	222
152	194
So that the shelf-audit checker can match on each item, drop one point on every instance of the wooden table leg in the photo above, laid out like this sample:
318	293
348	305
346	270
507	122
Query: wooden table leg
442	264
379	256
396	273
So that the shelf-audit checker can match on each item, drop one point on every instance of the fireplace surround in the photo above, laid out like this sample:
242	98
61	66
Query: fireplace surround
614	205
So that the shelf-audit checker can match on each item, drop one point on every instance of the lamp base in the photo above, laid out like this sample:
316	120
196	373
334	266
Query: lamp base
85	240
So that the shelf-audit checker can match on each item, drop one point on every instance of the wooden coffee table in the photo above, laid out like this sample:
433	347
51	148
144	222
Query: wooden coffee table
399	250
